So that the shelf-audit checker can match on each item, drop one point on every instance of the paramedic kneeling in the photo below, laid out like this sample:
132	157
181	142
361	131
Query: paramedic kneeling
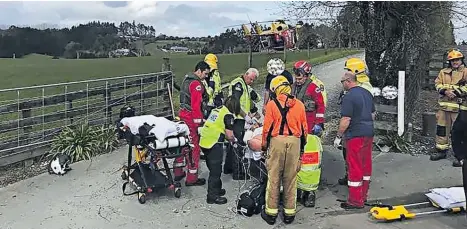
217	127
356	126
284	137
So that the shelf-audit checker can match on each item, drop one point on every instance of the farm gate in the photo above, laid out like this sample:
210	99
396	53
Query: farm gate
31	116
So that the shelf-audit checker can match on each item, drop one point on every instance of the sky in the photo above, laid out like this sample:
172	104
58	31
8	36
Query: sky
188	18
171	18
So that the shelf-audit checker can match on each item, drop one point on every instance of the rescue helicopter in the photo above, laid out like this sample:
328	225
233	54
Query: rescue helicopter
278	36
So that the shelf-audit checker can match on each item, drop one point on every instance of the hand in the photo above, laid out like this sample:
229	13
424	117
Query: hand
450	94
264	109
338	142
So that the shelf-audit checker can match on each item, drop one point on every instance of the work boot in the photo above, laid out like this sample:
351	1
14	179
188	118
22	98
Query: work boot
218	200
300	195
456	163
199	182
310	199
343	180
288	219
440	154
271	220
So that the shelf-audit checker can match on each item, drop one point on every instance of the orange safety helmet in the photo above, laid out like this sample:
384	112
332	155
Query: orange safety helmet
455	54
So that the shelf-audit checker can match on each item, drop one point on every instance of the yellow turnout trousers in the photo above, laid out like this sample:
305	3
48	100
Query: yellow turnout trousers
283	165
445	120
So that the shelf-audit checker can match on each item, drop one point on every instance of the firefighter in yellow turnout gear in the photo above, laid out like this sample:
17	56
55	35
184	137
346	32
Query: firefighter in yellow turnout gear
310	173
446	83
213	82
284	137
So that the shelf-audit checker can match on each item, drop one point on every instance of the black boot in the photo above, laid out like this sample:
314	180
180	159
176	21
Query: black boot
440	154
343	180
456	163
310	200
199	182
271	220
288	219
217	200
299	195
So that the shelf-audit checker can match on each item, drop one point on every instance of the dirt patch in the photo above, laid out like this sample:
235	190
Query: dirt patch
17	172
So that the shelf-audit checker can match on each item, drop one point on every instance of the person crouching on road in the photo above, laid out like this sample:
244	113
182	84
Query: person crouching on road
193	98
284	137
217	127
356	126
305	90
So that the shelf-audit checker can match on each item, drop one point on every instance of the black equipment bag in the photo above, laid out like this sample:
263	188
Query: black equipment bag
251	203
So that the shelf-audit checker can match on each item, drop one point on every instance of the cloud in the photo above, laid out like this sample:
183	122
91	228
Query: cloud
168	17
116	4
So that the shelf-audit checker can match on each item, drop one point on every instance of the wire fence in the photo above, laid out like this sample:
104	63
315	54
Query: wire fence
31	116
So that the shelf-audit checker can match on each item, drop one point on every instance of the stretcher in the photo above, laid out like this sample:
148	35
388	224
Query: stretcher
153	140
444	200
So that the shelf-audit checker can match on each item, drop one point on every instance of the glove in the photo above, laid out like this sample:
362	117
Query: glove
253	95
338	142
317	130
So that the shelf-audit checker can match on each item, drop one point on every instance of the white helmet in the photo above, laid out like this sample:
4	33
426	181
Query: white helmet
275	66
389	92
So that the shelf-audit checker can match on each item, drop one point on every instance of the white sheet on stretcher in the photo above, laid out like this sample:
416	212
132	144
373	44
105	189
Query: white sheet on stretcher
163	127
250	154
448	198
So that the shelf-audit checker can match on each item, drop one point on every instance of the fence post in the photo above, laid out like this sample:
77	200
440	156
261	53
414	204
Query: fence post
400	103
108	107
166	64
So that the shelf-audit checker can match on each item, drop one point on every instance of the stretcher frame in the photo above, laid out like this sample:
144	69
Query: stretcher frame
389	213
139	167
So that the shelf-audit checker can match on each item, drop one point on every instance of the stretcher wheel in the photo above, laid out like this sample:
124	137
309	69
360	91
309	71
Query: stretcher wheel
178	192
141	198
124	176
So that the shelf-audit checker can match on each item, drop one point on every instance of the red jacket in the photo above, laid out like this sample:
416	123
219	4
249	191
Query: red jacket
195	92
310	94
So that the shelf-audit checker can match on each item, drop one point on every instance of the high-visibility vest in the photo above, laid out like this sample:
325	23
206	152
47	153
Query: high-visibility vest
213	92
245	100
213	128
310	172
364	81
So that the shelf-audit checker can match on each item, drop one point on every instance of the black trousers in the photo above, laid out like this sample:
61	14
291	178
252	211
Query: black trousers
214	158
230	158
459	144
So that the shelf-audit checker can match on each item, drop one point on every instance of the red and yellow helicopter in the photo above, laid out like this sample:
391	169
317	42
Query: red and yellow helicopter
278	36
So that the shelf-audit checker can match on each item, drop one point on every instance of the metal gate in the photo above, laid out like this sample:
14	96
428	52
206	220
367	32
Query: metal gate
31	116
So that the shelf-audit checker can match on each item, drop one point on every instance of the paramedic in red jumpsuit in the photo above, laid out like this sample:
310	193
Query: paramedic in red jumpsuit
305	90
356	126
193	99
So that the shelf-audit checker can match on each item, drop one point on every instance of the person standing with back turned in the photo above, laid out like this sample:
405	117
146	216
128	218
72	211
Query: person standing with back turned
284	137
356	126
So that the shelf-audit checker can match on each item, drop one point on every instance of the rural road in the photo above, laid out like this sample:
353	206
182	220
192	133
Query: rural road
90	196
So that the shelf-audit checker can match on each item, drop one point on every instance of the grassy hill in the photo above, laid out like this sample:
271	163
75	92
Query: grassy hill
39	69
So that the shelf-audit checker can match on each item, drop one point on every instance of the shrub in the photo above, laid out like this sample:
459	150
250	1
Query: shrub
85	141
